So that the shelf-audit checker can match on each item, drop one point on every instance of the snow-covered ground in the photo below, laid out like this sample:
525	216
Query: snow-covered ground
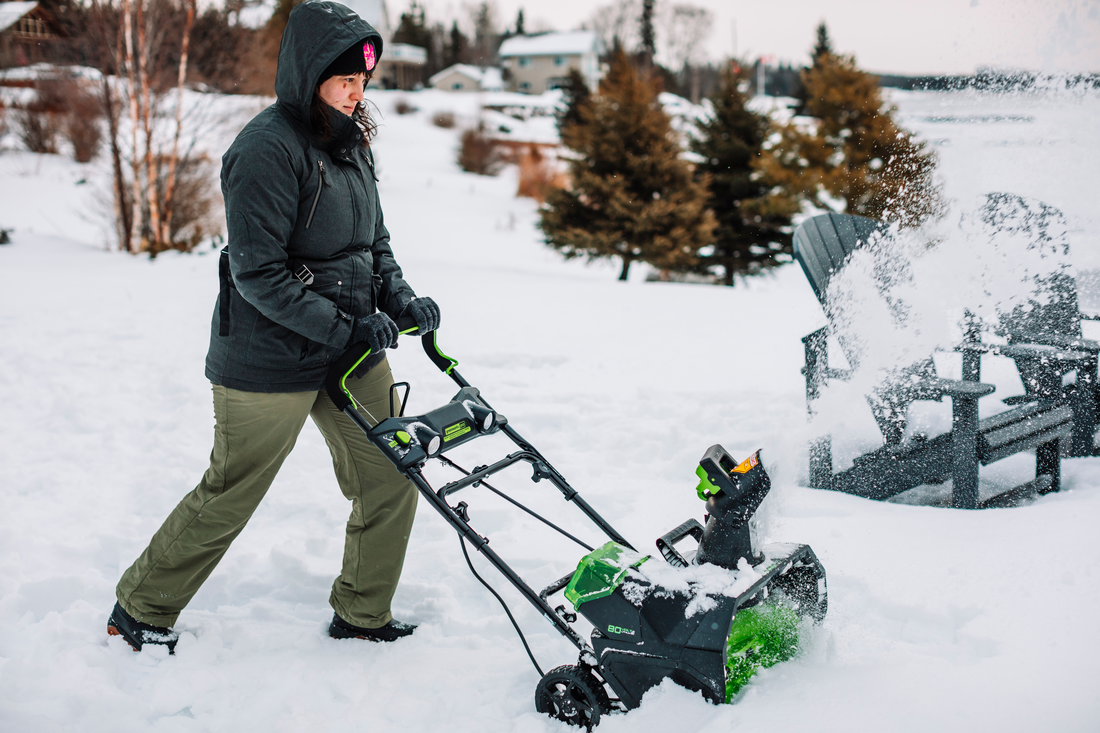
939	619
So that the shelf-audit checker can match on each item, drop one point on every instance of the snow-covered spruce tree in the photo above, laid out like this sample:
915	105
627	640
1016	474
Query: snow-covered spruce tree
751	230
631	195
855	155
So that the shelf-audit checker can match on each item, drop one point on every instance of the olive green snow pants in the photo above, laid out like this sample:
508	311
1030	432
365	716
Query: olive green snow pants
253	434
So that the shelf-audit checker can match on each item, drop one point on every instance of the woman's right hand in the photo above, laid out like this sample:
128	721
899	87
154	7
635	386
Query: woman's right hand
378	330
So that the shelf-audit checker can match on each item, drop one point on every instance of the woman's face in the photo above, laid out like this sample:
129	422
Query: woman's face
343	92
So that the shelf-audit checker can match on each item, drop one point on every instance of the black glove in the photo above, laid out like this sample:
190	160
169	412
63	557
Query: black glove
377	329
425	312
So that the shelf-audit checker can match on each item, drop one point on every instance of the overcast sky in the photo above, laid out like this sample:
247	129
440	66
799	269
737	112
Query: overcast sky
909	37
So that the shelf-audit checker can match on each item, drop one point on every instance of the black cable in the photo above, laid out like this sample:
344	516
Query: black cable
522	638
501	494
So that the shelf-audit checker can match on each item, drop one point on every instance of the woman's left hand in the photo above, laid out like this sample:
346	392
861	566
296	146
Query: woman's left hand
425	312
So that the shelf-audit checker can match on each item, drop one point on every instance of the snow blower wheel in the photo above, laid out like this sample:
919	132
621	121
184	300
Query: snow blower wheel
573	695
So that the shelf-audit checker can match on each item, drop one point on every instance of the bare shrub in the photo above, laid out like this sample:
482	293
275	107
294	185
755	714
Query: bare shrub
195	211
83	120
479	153
38	129
403	107
63	107
446	120
538	174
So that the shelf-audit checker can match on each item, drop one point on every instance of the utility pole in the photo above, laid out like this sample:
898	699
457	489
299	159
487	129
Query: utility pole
761	74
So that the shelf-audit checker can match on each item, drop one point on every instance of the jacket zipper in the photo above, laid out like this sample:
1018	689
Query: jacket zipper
322	183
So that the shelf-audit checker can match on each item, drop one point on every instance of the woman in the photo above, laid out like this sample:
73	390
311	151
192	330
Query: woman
308	271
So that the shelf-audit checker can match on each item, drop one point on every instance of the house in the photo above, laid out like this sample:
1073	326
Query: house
466	78
535	64
403	65
27	34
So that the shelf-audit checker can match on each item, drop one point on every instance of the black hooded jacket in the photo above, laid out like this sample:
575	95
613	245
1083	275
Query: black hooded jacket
293	200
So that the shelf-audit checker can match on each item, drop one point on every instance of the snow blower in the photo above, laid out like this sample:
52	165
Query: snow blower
708	620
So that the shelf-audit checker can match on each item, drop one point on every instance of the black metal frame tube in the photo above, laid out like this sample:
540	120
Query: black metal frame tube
482	545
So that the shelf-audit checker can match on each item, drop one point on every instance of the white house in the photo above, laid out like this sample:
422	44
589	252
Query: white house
541	62
466	78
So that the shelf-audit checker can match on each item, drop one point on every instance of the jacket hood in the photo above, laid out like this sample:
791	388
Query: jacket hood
316	33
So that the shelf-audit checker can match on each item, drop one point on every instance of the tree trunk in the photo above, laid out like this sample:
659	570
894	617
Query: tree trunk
173	159
122	216
151	175
626	269
136	219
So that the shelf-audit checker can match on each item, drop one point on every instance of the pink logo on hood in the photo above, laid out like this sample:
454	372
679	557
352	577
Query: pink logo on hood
368	55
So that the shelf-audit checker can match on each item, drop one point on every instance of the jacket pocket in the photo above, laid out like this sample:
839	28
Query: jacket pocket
322	183
314	352
272	346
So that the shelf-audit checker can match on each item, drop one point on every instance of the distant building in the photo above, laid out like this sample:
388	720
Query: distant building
403	65
28	34
466	78
538	63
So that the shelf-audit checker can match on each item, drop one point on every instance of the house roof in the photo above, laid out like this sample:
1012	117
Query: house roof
10	13
551	44
488	78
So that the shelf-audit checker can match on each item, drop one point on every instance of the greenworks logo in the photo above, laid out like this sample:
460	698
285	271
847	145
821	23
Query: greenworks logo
453	431
620	630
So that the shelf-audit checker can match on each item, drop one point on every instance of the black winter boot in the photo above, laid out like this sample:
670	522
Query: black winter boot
394	630
137	633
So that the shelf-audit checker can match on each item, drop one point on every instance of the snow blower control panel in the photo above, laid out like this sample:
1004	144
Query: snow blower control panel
410	441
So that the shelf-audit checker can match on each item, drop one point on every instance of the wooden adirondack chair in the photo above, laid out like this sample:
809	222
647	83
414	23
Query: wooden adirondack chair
1053	320
822	245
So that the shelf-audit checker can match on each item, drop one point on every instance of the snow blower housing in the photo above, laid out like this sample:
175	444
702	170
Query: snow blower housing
707	619
707	628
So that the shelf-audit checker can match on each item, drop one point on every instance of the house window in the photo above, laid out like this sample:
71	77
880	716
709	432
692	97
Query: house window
524	61
457	86
525	86
559	61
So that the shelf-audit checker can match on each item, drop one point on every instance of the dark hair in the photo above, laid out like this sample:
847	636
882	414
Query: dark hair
318	116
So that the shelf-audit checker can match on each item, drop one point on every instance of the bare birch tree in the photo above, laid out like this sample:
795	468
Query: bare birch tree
151	51
686	27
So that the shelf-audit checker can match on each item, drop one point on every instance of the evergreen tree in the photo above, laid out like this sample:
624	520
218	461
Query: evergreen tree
457	50
824	45
649	40
520	31
575	93
856	154
749	234
631	195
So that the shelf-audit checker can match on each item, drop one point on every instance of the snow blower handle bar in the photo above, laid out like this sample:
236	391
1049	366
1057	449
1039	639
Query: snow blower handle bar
349	361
